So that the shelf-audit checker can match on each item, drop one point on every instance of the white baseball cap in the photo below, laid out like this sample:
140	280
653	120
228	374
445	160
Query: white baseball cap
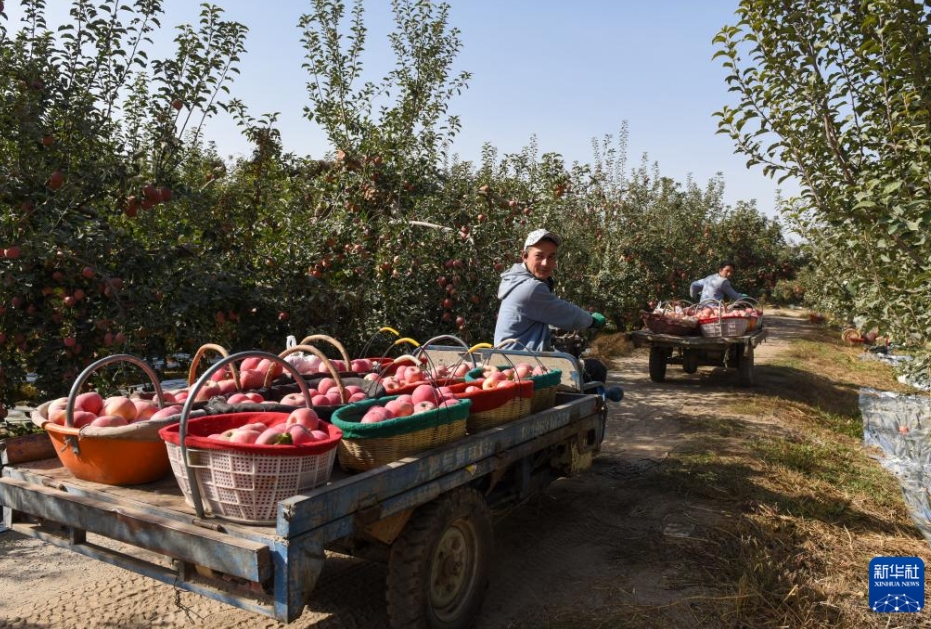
541	234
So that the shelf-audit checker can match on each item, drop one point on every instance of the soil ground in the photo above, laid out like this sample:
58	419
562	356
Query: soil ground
615	538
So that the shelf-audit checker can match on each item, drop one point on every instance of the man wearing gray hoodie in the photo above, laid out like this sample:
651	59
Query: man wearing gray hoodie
529	306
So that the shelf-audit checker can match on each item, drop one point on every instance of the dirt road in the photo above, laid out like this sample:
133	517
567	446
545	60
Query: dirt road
607	539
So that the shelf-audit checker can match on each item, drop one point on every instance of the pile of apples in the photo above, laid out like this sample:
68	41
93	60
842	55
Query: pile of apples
424	398
92	409
302	427
325	393
521	371
307	365
253	372
406	375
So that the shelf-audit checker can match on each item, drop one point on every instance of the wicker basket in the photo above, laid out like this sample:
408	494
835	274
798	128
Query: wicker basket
245	482
727	325
367	446
494	407
661	323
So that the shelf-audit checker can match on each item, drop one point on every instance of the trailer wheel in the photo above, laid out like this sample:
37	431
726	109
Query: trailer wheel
438	567
657	364
689	361
745	368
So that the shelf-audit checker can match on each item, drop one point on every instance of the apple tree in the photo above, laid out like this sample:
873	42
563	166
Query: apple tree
835	95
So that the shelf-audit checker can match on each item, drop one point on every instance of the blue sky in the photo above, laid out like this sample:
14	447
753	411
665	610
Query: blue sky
566	72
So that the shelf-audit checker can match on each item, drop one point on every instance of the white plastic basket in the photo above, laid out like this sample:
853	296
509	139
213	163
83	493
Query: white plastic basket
245	487
724	326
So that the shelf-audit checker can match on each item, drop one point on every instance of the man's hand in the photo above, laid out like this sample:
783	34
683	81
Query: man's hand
598	320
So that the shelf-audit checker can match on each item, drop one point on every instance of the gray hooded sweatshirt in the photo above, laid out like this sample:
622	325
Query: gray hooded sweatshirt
529	307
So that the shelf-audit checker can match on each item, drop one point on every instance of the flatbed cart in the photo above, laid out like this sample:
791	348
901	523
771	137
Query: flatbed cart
691	352
426	516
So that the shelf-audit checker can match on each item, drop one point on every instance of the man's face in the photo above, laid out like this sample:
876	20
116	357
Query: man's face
726	272
540	259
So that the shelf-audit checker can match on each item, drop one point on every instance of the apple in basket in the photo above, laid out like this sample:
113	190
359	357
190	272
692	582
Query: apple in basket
82	418
492	379
251	379
539	371
209	390
227	386
360	365
144	409
472	389
424	406
306	417
425	393
91	402
461	370
245	435
376	414
399	409
296	399
523	370
121	406
109	421
168	411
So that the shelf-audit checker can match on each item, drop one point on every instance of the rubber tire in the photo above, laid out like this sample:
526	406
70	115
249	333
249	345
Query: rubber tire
456	520
745	368
658	364
689	361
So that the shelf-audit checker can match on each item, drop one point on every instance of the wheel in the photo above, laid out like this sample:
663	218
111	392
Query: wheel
438	566
745	368
689	361
657	364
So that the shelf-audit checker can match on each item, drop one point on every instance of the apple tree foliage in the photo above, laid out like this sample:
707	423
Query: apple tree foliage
124	231
836	95
93	133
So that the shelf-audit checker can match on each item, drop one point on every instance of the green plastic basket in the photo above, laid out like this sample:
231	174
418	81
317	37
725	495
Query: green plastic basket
366	446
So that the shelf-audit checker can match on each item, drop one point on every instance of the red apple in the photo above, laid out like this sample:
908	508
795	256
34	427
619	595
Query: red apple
109	421
168	411
145	409
306	417
90	401
121	406
422	407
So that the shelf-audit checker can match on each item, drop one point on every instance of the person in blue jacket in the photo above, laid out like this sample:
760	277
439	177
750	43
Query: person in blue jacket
529	306
716	286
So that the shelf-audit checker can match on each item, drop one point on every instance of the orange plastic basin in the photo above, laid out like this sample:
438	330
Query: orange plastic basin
109	461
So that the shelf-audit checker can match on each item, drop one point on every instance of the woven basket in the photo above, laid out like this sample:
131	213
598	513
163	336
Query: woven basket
494	407
545	387
728	325
245	482
661	323
367	446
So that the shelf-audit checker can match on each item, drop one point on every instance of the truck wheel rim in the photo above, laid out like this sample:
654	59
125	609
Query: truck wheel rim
452	574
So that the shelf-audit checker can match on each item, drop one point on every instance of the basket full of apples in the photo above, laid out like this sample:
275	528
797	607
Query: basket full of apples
545	382
240	465
495	400
383	430
111	440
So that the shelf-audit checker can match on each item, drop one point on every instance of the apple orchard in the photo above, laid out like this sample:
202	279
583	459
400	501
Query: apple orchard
123	231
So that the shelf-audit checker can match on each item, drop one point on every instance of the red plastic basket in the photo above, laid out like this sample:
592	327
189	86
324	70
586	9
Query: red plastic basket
245	482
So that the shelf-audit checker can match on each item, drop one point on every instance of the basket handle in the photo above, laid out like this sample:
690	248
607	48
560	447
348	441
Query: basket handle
323	359
508	342
368	344
382	368
192	372
453	338
308	340
189	404
72	440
